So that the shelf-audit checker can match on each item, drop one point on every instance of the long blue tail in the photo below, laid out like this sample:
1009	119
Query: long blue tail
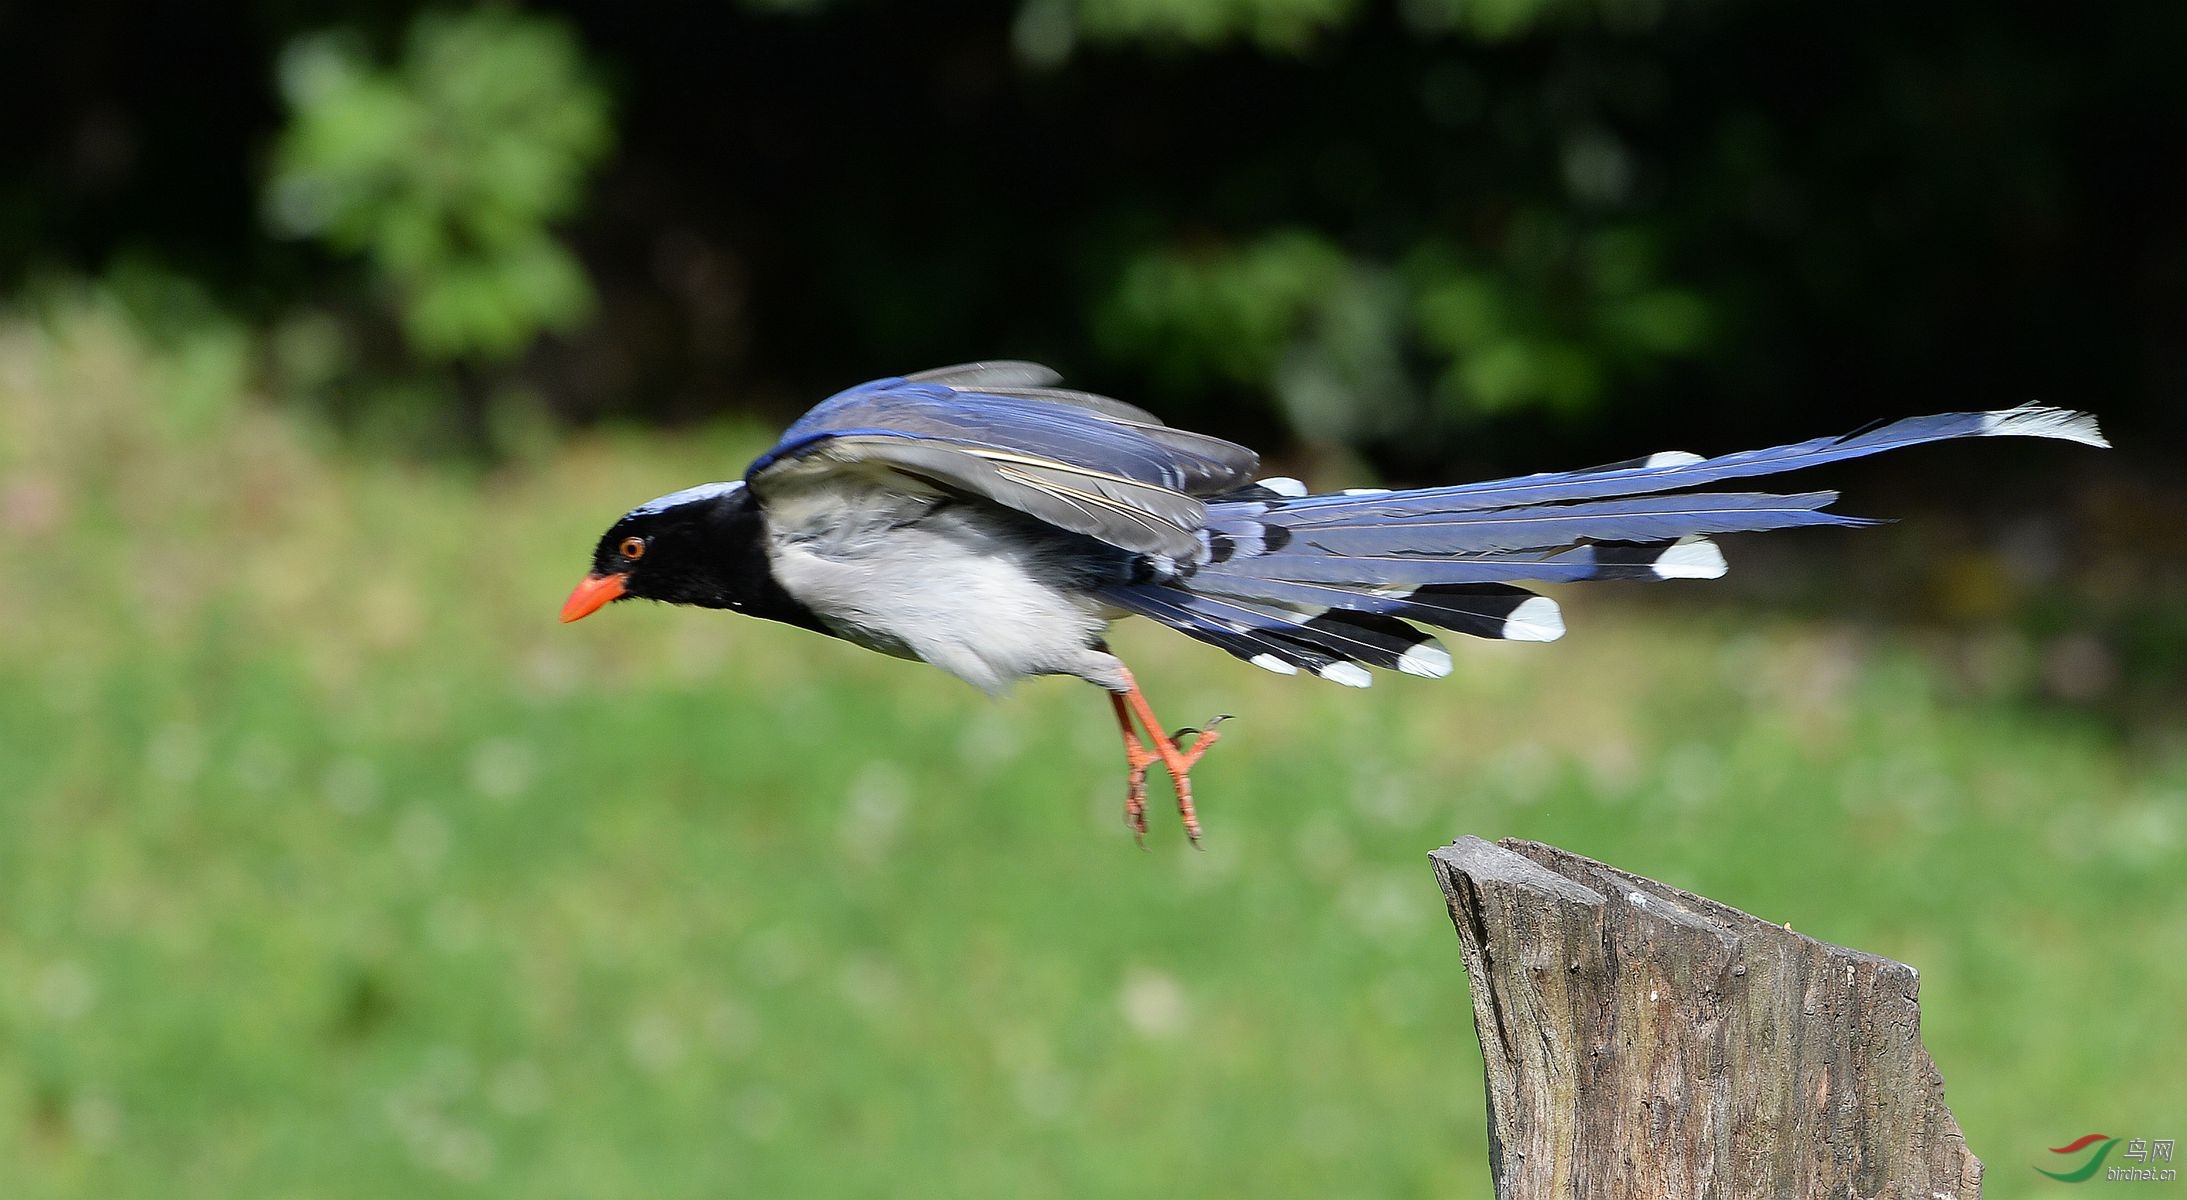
1324	583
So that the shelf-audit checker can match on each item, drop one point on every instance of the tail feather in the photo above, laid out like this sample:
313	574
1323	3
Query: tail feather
1484	610
1328	643
1370	638
1403	529
1230	629
1291	581
1687	558
1676	470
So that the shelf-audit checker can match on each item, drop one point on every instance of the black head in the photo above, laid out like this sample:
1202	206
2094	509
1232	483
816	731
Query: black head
698	546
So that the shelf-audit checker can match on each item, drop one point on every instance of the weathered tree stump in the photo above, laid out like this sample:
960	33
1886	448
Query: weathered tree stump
1645	1042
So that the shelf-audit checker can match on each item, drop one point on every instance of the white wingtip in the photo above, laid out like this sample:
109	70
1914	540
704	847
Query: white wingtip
1691	558
1428	660
1283	485
1670	458
2035	420
1269	662
1537	620
1348	674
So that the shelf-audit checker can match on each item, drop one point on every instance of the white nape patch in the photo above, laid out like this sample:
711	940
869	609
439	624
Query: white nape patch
1691	558
1670	458
1348	674
2035	420
1428	660
1284	485
1366	491
1269	662
705	491
1537	620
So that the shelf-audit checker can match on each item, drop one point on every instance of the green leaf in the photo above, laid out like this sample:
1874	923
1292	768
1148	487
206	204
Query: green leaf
446	170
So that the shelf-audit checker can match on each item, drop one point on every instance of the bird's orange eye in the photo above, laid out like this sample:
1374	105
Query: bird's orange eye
632	548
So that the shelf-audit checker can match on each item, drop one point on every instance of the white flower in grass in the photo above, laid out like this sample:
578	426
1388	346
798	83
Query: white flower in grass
1153	1003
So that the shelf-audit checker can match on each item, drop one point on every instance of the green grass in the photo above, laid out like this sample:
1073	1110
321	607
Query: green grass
331	866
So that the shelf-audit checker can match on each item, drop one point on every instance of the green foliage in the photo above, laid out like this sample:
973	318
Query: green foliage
446	171
1494	20
1290	312
1046	28
1275	24
1553	320
1222	313
193	359
200	354
818	183
1290	26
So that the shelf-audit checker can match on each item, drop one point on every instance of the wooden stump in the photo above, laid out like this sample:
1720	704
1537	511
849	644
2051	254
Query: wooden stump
1642	1041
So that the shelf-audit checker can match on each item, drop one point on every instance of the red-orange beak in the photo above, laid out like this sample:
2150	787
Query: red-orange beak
590	595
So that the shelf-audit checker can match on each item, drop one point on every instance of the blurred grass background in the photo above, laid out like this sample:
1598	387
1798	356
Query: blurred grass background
332	335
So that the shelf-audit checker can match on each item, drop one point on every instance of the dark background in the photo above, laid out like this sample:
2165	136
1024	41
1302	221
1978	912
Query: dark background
1882	209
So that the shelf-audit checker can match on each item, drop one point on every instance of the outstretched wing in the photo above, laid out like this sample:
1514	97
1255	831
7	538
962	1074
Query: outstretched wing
1004	432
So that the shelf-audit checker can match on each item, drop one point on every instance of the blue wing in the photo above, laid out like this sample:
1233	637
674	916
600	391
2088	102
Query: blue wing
1004	432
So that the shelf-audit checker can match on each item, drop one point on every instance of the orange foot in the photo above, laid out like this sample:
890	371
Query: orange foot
1176	759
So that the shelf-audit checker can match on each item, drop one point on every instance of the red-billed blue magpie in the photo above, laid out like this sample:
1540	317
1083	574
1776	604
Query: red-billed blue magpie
992	523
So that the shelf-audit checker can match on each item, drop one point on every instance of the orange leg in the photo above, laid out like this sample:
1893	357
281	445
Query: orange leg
1138	758
1177	760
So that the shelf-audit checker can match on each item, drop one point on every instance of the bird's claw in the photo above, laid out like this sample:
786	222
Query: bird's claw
1198	733
1176	759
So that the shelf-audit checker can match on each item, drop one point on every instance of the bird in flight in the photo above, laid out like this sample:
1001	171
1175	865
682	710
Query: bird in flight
990	522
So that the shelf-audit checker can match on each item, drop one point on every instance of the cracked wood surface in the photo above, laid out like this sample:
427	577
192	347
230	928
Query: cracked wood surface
1642	1041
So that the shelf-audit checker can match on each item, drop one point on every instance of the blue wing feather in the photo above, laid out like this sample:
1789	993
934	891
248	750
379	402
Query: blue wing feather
1194	464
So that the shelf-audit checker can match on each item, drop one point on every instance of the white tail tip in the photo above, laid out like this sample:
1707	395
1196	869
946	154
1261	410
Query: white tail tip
2035	420
1537	620
1427	660
1348	674
1691	558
